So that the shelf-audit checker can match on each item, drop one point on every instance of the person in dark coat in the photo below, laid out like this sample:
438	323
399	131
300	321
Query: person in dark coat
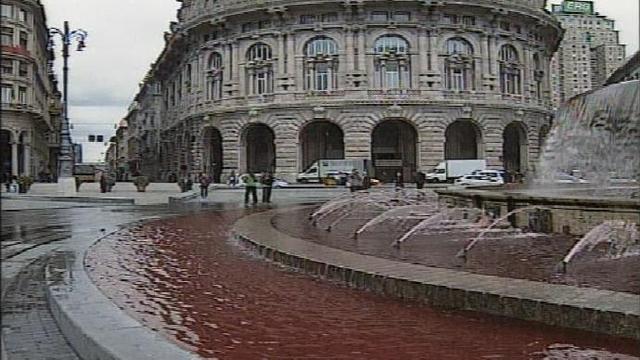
420	179
399	180
267	185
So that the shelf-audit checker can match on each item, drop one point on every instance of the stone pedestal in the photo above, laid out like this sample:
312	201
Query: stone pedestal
67	186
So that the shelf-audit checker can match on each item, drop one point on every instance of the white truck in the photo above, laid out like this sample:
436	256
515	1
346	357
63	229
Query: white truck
336	168
449	170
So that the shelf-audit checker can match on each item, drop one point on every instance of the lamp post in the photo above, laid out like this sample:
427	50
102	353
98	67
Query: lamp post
65	158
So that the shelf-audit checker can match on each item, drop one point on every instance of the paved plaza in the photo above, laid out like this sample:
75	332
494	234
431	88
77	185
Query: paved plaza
52	308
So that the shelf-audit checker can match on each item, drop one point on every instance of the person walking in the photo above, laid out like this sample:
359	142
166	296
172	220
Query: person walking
399	180
102	179
250	187
233	179
205	181
267	185
420	180
355	180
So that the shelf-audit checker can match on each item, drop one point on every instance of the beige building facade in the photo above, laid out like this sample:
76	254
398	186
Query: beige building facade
275	85
31	107
589	52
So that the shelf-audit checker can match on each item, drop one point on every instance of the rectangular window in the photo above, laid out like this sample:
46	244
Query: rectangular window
7	94
92	138
330	17
99	138
451	19
22	15
7	66
23	69
248	27
24	40
7	11
469	20
264	24
379	16
7	36
22	95
402	16
307	19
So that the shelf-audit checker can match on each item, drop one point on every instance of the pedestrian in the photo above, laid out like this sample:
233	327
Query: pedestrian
250	185
399	180
205	181
267	184
366	182
233	178
420	180
355	181
103	182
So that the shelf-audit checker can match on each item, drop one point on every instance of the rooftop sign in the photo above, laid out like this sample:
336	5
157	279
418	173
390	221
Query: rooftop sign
577	7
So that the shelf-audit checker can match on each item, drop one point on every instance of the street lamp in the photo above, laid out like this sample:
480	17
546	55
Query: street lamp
65	159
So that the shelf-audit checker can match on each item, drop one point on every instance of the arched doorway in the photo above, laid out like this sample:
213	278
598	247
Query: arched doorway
514	148
393	149
259	148
462	141
320	140
212	153
5	154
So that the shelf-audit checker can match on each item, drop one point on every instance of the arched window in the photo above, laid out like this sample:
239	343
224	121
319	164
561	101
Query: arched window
510	79
321	64
459	65
392	63
259	69
215	76
538	75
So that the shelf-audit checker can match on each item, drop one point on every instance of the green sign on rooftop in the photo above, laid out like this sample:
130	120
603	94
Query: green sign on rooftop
577	7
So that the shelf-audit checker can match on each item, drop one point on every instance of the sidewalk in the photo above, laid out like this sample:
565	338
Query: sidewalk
123	193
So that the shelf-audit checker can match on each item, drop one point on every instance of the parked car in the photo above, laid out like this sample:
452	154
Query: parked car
497	175
568	179
339	176
477	180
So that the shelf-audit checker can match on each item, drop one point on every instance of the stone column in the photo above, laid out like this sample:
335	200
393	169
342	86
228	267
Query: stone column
237	74
27	159
14	158
423	49
362	50
281	51
348	51
434	50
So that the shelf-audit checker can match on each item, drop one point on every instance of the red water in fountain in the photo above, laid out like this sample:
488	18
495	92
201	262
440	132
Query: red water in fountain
185	279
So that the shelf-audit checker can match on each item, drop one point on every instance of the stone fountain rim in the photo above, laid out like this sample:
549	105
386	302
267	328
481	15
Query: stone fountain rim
514	195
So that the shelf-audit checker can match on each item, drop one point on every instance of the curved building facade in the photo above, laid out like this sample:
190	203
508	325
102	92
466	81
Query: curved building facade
274	85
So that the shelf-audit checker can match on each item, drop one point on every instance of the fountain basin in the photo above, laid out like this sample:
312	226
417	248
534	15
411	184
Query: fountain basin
573	211
603	311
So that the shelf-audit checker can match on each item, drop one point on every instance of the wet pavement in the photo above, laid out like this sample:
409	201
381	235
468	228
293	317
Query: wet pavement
503	253
185	279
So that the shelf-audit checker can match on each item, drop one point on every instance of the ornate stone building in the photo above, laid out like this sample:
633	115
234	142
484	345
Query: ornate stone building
31	108
275	85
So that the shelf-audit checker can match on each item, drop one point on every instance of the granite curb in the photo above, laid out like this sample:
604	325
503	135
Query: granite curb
94	326
602	311
76	199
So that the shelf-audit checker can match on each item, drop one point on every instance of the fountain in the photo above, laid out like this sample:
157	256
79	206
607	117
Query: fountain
622	237
597	133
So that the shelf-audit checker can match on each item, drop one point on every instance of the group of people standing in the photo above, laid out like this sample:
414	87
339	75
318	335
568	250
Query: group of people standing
250	186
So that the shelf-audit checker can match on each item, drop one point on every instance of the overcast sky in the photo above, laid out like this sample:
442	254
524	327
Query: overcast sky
126	36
